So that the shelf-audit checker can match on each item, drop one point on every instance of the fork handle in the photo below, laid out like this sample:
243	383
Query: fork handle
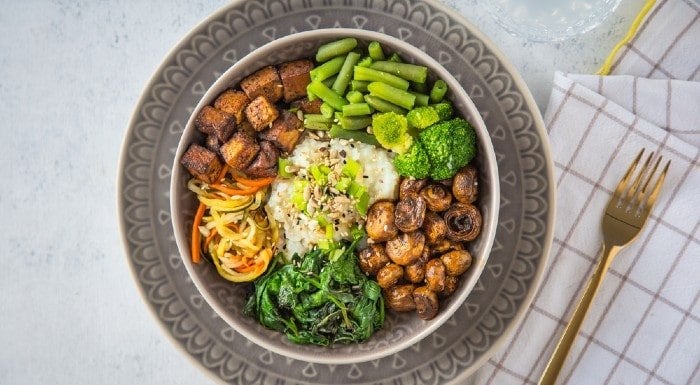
566	341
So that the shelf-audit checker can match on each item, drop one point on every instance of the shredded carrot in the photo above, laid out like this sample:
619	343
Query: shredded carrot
196	236
254	182
211	235
222	174
232	191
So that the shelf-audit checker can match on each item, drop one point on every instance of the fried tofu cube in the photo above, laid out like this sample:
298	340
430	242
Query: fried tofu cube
285	131
203	164
265	163
239	151
265	82
260	113
295	77
233	102
307	106
247	128
213	121
212	143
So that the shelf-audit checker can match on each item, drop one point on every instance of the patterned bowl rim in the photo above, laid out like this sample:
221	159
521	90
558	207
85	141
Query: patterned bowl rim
517	79
244	66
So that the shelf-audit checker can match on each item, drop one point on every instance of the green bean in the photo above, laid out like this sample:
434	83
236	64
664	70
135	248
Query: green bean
318	126
365	62
438	92
420	87
355	97
329	82
327	69
382	105
395	58
391	94
358	85
421	99
310	95
372	75
355	122
335	48
412	72
317	118
345	74
327	95
327	111
359	136
356	109
375	51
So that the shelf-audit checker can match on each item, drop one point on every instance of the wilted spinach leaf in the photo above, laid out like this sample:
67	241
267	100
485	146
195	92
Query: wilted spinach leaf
317	301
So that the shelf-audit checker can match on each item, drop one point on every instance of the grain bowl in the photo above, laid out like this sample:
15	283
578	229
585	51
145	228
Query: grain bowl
400	329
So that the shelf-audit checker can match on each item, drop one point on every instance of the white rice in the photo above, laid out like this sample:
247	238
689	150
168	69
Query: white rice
301	232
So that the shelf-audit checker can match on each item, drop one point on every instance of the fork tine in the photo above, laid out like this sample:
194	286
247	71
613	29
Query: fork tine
638	180
623	182
657	187
643	192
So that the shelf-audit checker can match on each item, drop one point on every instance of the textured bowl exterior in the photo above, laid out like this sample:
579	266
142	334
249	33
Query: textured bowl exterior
400	330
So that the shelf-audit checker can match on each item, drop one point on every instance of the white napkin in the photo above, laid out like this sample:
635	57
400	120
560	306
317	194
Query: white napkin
644	325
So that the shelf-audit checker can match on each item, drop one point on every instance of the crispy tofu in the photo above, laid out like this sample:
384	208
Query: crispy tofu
295	77
203	164
213	121
239	151
212	143
307	106
265	163
265	82
233	102
285	131
246	128
261	112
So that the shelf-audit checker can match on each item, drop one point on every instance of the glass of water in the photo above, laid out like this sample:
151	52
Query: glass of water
549	20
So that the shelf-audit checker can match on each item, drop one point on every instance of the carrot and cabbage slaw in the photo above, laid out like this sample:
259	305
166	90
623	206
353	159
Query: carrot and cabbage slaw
232	226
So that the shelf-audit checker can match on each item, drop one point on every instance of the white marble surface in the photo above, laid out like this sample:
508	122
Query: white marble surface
70	75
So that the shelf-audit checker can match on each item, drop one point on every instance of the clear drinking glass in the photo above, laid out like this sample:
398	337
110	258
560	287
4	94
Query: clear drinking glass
549	20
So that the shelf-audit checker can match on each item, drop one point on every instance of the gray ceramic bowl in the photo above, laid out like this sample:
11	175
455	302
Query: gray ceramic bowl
400	330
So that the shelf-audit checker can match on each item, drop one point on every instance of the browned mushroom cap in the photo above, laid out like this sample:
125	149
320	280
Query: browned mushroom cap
409	213
405	248
434	227
415	272
389	275
456	262
380	221
435	275
373	258
451	285
410	187
465	185
445	245
437	197
463	222
400	298
426	302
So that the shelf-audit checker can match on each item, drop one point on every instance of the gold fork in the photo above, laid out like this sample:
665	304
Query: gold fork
625	215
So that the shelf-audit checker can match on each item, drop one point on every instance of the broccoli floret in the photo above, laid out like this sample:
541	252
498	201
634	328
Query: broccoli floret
464	136
450	145
391	131
443	110
422	117
413	163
